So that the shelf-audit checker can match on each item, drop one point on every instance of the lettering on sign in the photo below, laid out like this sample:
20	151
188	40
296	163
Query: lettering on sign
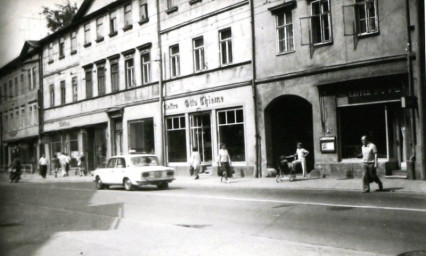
64	123
203	101
170	106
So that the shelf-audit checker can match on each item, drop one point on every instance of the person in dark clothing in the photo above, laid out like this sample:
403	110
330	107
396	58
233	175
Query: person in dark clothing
15	174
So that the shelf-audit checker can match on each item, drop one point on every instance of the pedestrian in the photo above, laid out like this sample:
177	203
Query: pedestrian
195	162
15	170
43	162
224	163
81	165
369	159
63	160
55	165
300	156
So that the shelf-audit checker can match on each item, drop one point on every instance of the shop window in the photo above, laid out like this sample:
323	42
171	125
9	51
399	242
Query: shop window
56	144
176	139
198	46
231	132
141	136
357	121
174	61
285	39
73	148
225	43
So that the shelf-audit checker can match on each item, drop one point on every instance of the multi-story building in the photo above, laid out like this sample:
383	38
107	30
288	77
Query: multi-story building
337	70
19	107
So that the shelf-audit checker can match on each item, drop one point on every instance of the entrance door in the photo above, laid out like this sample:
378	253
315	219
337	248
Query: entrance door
201	137
288	120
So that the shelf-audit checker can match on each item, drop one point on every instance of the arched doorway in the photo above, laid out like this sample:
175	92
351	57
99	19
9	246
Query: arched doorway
288	120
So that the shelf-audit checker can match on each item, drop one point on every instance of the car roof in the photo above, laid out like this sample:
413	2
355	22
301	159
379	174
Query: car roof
133	155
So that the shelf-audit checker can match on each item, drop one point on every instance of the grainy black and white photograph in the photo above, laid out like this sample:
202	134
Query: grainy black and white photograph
212	127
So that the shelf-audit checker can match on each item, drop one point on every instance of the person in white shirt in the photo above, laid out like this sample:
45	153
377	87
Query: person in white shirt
43	162
224	163
63	160
369	158
196	162
301	155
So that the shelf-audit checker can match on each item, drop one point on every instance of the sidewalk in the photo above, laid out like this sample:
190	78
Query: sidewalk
355	184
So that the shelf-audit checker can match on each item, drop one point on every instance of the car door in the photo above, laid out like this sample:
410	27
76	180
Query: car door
119	171
108	172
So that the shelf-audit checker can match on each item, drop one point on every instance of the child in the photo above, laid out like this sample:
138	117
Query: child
301	155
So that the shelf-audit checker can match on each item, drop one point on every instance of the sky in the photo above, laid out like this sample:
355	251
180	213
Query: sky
22	20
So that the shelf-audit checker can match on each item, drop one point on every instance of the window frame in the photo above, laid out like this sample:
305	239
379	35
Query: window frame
63	92
181	127
87	37
174	61
127	18
61	47
99	29
143	11
146	67
364	3
89	82
285	27
236	122
52	95
129	71
73	42
113	24
101	78
115	74
199	55
321	25
74	86
228	43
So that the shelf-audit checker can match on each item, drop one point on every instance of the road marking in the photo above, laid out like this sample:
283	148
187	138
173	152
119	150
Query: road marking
289	202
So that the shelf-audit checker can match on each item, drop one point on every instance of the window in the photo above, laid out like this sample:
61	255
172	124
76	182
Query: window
112	23
321	21
127	16
171	4
17	118
52	95
176	139
33	114
11	88
143	10
225	46
63	93
16	86
101	79
285	32
22	119
130	71
115	78
366	15
73	42
146	66
198	46
74	89
141	136
99	29
89	83
61	48
50	52
87	34
11	120
5	119
73	144
56	144
174	61
231	132
32	79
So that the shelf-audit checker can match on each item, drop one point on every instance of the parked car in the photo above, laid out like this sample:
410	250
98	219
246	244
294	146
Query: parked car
133	171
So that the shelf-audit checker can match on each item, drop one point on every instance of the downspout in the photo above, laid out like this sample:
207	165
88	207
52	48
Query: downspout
40	101
421	47
258	173
410	93
160	85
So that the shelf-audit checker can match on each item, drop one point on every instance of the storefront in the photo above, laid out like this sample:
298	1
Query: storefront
204	121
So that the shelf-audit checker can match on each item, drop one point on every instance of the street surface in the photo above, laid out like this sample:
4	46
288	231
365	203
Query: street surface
75	219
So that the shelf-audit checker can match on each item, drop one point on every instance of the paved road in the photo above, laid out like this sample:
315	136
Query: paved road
75	219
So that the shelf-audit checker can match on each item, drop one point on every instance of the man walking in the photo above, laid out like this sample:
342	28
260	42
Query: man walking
43	166
369	158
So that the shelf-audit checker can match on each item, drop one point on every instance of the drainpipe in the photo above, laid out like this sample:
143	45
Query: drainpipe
412	158
160	85
254	92
421	82
40	102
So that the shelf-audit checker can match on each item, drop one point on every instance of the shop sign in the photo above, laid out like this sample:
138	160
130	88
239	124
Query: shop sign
368	95
328	144
199	102
13	133
64	123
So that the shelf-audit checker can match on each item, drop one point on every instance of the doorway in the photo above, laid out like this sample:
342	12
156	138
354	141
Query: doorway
201	137
288	120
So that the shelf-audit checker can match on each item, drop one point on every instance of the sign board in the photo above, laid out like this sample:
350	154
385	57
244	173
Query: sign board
328	144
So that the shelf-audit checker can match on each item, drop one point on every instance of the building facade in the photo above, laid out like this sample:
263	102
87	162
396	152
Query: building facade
19	108
338	70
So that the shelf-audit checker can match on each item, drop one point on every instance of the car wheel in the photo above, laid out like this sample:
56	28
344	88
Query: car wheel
99	184
164	185
128	185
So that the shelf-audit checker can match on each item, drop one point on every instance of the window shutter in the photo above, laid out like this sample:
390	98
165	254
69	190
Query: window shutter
350	26
306	33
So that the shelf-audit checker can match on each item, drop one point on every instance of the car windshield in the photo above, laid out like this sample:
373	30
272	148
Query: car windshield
144	161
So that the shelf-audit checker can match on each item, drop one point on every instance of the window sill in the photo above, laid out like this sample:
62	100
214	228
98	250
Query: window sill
50	61
73	52
100	39
285	53
87	45
143	21
323	43
61	57
191	2
128	27
172	9
364	35
112	34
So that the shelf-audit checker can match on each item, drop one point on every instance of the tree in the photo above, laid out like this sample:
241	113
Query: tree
60	16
